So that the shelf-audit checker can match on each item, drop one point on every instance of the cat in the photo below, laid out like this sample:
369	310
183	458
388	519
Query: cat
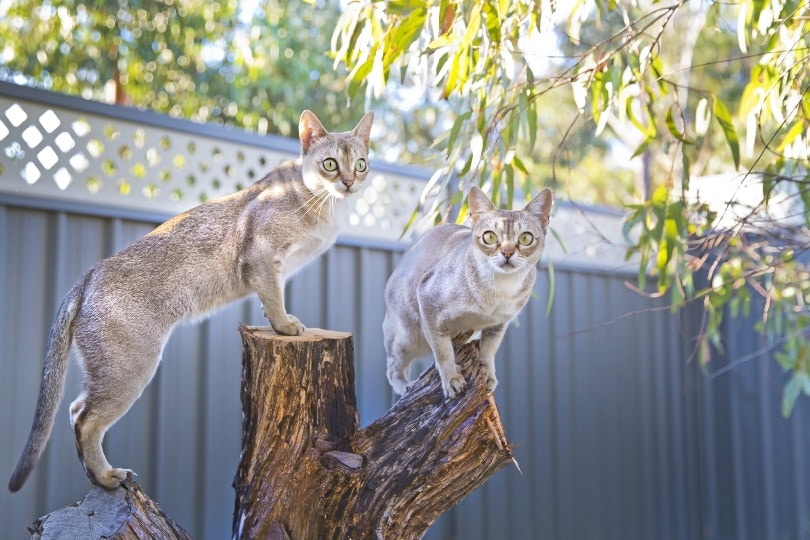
455	279
122	310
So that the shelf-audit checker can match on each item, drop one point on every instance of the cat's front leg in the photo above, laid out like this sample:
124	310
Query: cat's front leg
453	382
271	293
490	342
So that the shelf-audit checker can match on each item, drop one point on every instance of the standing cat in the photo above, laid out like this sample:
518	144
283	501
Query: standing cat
121	312
456	279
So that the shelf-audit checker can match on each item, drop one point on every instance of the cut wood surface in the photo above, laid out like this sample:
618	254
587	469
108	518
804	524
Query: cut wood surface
124	514
308	471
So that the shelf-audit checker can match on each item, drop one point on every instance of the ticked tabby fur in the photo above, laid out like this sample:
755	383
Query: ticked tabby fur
456	279
122	310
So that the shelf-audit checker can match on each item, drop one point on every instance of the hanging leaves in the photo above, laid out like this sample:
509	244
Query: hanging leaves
478	55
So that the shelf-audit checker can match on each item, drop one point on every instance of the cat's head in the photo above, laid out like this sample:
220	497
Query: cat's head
334	163
509	240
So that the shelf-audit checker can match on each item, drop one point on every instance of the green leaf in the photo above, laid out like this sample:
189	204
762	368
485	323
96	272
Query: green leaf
552	285
686	165
791	392
510	185
531	114
642	147
559	239
411	221
518	163
398	40
724	119
459	121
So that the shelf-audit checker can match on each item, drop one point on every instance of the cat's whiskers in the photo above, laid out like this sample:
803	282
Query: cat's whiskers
318	198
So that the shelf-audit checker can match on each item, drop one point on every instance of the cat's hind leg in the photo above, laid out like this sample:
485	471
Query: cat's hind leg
398	373
400	350
398	363
110	387
90	422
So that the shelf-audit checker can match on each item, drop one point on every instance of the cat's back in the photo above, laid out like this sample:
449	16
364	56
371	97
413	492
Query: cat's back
446	242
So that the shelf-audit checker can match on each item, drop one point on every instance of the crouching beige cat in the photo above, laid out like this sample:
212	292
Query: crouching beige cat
122	310
456	279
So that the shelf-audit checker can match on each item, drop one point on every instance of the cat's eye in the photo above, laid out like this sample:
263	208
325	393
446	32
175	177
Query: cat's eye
329	164
489	238
360	165
525	238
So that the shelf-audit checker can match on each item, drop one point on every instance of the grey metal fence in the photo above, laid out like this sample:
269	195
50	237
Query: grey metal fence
619	435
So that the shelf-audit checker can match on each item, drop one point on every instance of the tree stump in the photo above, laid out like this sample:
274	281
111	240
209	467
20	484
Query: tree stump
124	514
308	471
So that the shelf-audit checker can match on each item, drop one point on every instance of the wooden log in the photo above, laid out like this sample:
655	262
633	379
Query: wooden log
308	471
126	513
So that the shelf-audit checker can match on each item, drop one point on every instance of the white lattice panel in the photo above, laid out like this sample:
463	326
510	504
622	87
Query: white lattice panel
50	151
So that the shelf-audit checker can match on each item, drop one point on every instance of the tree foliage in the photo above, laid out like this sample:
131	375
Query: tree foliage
692	88
205	61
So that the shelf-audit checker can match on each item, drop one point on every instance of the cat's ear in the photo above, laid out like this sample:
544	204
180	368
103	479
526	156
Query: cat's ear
363	128
540	206
310	130
478	203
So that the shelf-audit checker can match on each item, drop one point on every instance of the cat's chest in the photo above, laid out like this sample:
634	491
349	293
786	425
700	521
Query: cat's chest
309	244
490	312
489	306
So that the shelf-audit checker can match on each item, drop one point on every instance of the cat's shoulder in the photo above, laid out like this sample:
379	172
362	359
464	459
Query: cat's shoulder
447	231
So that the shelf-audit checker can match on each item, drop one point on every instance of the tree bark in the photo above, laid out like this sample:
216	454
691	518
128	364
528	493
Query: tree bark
126	513
308	471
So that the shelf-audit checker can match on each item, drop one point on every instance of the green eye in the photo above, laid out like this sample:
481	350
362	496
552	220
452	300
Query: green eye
360	165
329	164
525	239
489	238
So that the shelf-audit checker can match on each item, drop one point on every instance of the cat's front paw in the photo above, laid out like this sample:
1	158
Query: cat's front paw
490	380
291	327
111	479
454	386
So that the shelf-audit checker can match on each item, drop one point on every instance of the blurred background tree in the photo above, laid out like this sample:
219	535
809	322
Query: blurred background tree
257	65
252	65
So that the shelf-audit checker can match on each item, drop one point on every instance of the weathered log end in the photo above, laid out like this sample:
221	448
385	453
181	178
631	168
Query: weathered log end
126	513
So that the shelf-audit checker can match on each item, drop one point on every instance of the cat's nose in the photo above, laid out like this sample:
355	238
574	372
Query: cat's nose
348	182
507	251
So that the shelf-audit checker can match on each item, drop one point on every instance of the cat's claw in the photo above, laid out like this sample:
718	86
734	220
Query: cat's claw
455	385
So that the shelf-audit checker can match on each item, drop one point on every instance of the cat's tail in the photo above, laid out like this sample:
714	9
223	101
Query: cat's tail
52	384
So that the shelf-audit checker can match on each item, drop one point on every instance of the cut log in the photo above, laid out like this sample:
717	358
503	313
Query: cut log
308	471
125	514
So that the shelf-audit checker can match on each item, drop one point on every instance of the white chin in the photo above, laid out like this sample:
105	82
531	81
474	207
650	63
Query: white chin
341	192
505	268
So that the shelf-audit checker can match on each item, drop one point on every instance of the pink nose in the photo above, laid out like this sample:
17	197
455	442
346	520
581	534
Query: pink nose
508	252
347	182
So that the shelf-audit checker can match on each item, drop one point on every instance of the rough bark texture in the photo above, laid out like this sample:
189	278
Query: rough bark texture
126	513
308	471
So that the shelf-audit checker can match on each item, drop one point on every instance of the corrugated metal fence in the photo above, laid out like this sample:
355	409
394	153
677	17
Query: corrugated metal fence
618	434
